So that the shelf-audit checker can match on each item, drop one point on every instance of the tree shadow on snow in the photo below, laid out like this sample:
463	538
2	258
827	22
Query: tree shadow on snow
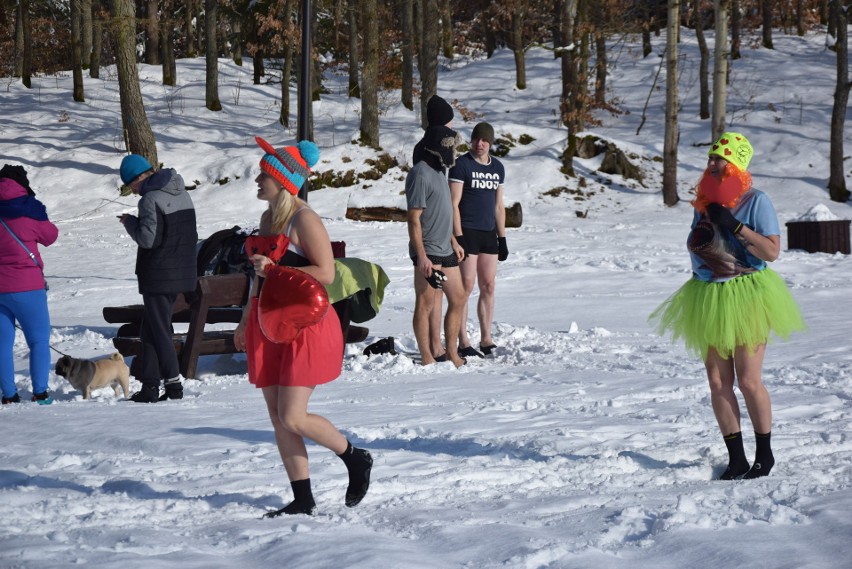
141	491
463	448
10	479
244	435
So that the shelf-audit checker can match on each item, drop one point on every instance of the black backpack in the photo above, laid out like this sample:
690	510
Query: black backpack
223	253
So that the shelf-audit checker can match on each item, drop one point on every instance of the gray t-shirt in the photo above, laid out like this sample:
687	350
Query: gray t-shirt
428	190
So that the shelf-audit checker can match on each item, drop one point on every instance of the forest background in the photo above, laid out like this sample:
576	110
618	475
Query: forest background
382	43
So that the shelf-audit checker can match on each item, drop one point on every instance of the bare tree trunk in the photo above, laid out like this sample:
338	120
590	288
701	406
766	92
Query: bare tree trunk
287	67
720	68
556	27
353	13
517	43
489	38
767	7
167	48
370	75
800	18
672	135
189	15
736	27
601	15
252	37
569	85
407	21
428	58
200	38
237	47
417	35
704	63
645	14
316	75
286	72
23	43
76	52
19	37
258	69
446	28
138	137
339	14
86	33
211	12
99	13
152	33
582	98
837	181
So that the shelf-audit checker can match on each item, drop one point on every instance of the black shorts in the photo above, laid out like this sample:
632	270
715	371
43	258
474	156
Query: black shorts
480	242
448	261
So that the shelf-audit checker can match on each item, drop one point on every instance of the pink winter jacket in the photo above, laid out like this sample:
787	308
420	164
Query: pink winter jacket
18	273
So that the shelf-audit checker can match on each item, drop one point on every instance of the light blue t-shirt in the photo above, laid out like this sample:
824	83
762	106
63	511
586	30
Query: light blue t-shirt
716	254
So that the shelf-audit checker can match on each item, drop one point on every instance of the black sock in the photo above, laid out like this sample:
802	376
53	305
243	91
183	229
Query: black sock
303	500
763	459
737	461
359	463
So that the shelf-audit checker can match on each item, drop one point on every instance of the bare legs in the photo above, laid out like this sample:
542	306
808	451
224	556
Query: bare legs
424	307
288	411
746	368
481	269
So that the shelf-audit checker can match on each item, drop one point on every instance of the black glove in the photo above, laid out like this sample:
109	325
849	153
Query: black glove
722	216
462	244
502	249
436	279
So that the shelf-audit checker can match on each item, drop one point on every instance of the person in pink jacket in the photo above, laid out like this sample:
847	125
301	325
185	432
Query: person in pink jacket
23	295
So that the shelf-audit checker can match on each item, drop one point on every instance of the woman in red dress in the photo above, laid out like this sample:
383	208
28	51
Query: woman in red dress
293	235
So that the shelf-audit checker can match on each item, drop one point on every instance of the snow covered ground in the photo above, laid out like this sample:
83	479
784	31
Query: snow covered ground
588	441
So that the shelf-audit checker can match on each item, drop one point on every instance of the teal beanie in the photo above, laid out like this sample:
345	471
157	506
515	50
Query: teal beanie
132	166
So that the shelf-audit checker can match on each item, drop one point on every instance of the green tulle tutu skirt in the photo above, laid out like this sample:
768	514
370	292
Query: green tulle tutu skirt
743	311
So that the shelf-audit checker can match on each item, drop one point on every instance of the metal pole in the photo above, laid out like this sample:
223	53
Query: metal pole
305	92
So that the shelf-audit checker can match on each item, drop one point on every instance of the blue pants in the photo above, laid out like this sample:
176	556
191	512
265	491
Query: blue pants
30	310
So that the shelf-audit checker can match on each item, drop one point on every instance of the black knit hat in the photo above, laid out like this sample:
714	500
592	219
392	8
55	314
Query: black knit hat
18	174
438	111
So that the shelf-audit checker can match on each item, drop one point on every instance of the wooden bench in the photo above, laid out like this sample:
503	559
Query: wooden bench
217	299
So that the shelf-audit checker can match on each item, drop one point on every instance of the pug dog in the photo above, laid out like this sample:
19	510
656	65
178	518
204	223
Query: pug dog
87	375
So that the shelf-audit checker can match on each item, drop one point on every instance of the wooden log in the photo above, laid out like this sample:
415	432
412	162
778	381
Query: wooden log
514	215
376	213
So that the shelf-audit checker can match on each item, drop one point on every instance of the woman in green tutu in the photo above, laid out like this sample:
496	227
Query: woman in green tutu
733	302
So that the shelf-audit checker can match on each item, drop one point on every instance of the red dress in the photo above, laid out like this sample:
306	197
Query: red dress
313	358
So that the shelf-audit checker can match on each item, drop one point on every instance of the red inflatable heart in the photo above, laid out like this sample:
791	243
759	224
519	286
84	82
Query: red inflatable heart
290	301
721	192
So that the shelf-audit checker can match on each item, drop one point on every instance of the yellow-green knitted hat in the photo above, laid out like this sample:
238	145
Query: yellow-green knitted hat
733	147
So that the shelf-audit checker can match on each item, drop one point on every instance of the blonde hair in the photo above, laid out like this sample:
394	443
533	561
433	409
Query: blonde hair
281	210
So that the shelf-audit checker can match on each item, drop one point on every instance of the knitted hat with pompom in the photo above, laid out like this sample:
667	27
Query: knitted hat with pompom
290	165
